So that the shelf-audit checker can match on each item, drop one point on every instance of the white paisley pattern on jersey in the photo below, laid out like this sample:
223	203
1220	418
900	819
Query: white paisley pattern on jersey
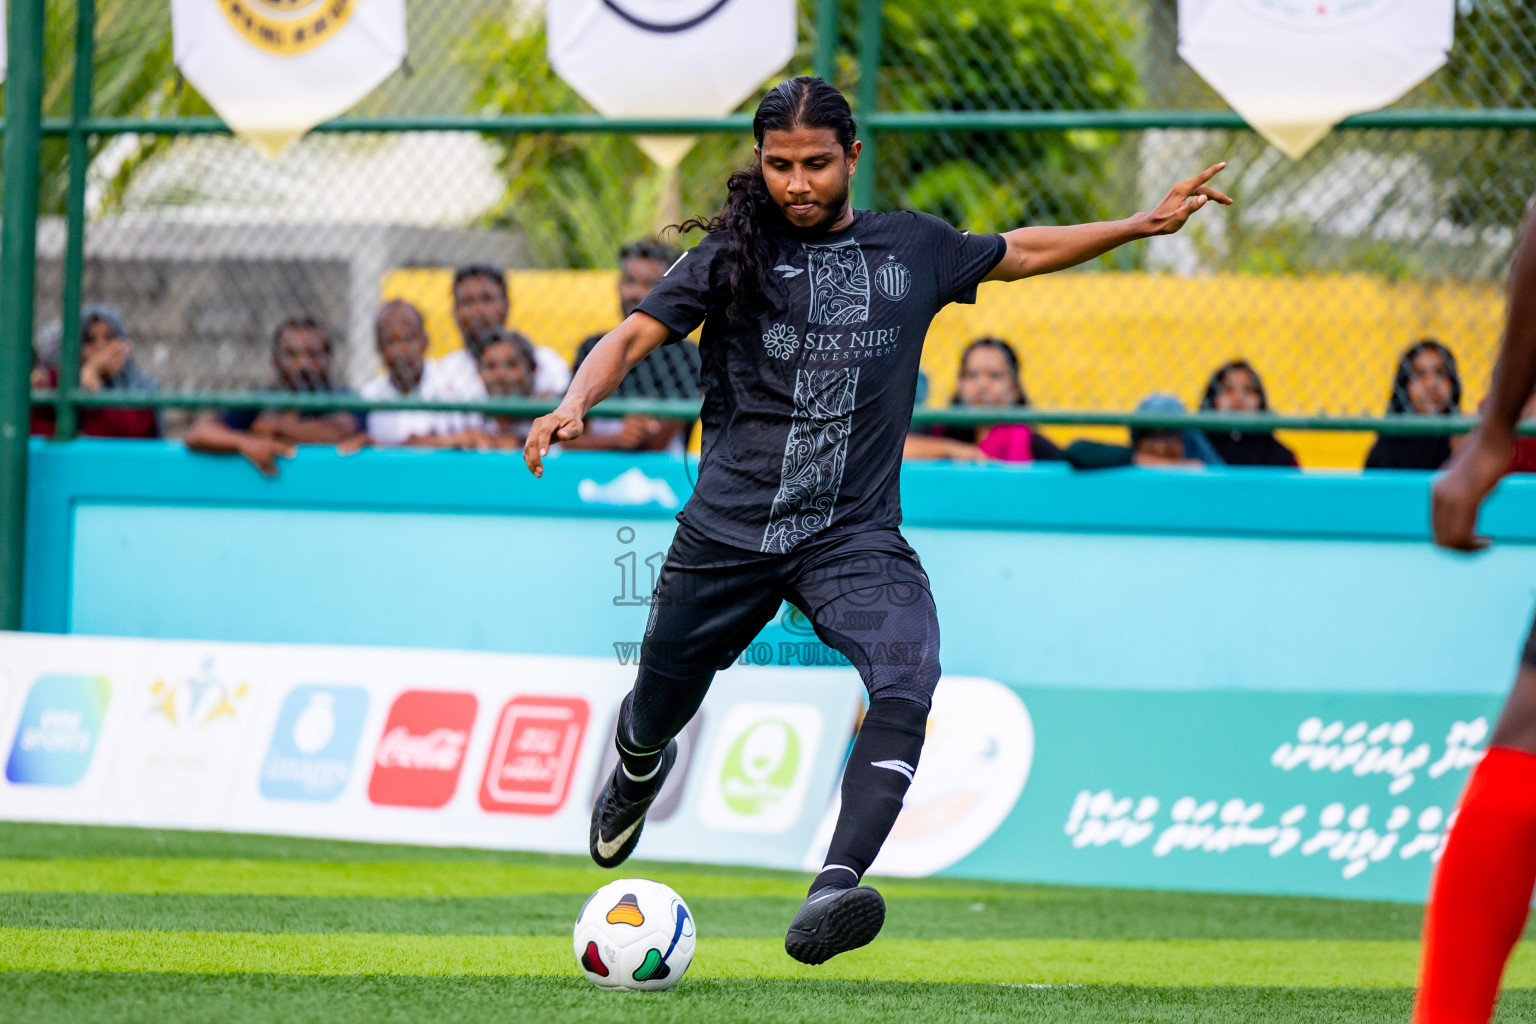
814	456
839	284
781	341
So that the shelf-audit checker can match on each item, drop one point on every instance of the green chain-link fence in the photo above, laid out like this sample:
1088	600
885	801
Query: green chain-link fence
990	114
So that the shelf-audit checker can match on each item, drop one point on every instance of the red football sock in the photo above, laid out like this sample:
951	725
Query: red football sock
1481	892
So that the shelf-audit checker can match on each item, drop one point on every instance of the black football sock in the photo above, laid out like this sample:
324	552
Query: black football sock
637	766
879	771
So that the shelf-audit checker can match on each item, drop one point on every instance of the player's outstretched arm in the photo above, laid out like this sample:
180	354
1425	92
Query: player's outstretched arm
605	366
1478	464
1041	250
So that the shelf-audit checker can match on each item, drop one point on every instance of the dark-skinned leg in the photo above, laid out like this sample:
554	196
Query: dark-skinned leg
873	606
1481	892
710	601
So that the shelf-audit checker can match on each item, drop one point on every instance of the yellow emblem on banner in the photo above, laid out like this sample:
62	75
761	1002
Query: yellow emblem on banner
287	26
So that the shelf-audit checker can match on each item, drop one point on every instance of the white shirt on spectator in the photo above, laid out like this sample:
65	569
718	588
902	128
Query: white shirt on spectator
551	373
398	426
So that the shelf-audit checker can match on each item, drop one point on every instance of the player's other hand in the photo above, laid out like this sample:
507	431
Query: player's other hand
561	425
1183	200
1472	472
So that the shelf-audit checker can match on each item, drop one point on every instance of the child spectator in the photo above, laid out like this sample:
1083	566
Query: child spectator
480	306
401	335
1157	447
989	378
1151	447
106	364
506	370
671	371
301	362
1427	383
1236	387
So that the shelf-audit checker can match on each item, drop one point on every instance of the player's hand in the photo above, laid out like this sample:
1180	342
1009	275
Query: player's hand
1183	200
561	425
263	453
1473	471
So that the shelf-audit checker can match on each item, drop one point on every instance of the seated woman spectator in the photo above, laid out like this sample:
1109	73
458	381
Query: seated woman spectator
1236	387
1427	383
106	364
989	378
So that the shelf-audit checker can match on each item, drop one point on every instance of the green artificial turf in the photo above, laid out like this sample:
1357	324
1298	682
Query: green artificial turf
102	924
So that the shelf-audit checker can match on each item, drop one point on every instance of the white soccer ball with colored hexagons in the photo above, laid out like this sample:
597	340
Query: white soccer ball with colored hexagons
634	934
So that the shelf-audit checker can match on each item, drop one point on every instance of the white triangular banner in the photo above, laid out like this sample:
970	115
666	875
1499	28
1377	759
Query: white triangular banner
1295	68
273	69
669	58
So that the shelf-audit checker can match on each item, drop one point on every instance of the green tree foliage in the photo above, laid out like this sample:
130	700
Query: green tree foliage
578	197
135	76
575	196
1490	66
1006	55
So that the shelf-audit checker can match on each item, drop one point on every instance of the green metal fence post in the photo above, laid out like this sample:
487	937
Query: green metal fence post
870	31
74	216
824	63
18	255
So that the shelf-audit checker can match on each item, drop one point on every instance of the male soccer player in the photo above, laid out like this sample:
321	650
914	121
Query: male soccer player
814	317
1482	887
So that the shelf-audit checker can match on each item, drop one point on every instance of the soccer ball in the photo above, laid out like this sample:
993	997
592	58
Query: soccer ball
635	934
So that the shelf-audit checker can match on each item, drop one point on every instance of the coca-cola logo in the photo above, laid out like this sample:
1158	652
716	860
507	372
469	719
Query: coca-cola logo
421	752
440	750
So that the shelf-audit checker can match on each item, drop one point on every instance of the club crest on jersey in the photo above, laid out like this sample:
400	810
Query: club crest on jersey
893	279
781	341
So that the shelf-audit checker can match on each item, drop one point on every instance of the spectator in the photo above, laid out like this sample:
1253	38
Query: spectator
301	361
671	371
1236	387
507	368
45	375
1151	448
481	304
989	378
106	364
1427	383
401	335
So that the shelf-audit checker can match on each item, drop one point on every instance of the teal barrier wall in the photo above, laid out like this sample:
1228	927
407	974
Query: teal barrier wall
1128	579
1239	679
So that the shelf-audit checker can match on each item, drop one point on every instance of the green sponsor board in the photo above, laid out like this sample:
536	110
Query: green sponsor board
1323	794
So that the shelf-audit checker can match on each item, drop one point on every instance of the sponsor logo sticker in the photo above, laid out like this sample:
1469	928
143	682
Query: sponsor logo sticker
760	766
58	730
313	746
533	755
421	752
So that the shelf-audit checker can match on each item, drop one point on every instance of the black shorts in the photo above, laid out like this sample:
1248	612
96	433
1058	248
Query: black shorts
865	594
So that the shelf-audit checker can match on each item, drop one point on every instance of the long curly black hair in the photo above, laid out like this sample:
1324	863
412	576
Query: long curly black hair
749	213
